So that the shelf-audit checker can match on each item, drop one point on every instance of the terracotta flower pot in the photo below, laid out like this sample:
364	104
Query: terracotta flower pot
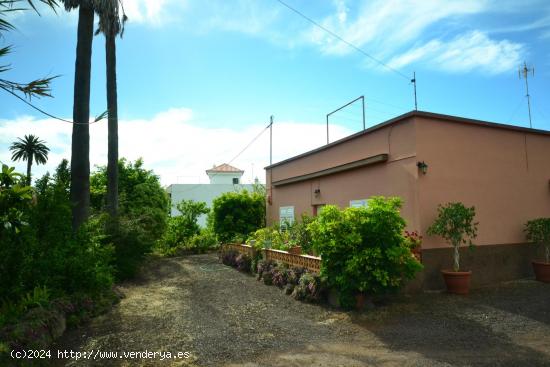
542	271
458	282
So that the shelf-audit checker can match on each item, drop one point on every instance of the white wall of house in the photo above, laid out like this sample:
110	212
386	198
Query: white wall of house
201	192
225	178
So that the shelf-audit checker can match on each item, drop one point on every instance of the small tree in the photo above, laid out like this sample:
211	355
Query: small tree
538	231
455	223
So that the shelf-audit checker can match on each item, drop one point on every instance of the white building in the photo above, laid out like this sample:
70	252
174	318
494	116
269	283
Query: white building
223	178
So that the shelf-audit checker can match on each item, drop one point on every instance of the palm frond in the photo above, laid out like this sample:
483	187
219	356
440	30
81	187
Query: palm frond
36	88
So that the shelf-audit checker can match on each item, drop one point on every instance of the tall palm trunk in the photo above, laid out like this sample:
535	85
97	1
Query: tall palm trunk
112	105
29	165
80	152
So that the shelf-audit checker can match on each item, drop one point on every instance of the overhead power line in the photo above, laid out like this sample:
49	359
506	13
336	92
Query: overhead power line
251	142
356	48
237	155
97	119
333	34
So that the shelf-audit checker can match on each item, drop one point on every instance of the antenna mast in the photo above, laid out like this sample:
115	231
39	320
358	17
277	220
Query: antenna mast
413	81
270	140
524	73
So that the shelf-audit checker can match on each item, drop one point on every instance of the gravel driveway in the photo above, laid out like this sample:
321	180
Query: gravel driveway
225	318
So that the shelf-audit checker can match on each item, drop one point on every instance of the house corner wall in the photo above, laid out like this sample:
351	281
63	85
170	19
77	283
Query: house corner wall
503	173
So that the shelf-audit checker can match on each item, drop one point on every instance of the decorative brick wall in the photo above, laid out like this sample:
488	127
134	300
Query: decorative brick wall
312	263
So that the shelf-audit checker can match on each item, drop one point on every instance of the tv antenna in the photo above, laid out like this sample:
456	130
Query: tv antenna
524	73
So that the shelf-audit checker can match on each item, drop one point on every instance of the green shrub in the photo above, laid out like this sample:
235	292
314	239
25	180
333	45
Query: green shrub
538	231
237	214
15	198
283	238
47	252
142	217
269	237
455	223
300	235
363	249
200	243
183	227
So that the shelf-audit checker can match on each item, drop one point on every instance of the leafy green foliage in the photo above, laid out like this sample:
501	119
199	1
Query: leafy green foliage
184	226
455	223
283	238
237	214
202	242
538	231
143	213
269	237
48	253
363	249
199	243
300	235
15	199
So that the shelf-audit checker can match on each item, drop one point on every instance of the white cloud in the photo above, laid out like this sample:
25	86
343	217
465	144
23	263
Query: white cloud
396	30
173	143
154	12
467	52
385	25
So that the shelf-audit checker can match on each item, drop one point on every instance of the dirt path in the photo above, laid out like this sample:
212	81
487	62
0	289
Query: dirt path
226	318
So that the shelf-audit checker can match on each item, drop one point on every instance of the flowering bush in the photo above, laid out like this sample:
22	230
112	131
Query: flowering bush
229	257
280	276
242	263
264	267
310	288
294	275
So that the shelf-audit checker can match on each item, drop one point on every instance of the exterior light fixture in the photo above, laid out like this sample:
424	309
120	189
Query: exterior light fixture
317	192
422	166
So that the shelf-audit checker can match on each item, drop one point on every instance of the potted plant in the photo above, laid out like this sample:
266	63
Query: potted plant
455	223
538	231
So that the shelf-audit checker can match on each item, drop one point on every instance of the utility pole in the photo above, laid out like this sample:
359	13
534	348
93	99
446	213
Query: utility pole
524	73
413	81
271	140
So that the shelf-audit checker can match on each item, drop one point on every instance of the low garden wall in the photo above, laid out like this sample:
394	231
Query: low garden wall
312	263
243	249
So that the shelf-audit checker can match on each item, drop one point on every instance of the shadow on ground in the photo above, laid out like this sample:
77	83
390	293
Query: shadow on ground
495	326
226	318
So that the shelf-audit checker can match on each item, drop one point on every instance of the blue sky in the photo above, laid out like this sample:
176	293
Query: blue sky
199	79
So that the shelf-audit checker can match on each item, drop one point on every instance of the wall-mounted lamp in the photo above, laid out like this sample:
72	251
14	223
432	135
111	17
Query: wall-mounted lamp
317	192
422	166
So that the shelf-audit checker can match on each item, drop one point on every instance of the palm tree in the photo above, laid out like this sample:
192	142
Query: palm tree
111	25
30	149
80	148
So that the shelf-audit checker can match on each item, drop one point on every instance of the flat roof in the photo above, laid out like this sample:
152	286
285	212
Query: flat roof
405	116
